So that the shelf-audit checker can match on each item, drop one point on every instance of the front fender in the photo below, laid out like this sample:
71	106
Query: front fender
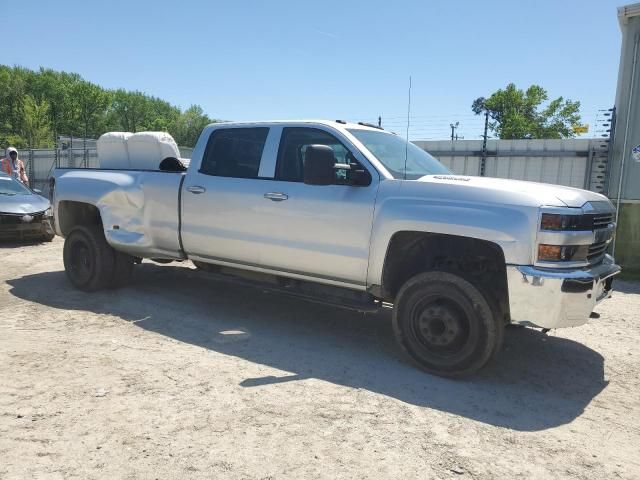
509	227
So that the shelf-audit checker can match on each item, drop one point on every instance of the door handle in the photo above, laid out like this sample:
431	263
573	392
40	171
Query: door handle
276	196
196	189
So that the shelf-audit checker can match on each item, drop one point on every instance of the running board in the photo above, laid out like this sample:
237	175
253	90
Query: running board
309	291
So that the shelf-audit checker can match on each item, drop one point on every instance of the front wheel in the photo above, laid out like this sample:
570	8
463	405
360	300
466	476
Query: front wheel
445	324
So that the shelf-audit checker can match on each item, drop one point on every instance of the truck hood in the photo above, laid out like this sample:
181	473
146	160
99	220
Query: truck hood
531	193
23	203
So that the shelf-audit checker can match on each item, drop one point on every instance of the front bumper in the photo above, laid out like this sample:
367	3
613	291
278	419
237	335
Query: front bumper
556	298
24	226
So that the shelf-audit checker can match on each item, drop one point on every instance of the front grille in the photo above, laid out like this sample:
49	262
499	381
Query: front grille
16	218
596	252
13	226
602	220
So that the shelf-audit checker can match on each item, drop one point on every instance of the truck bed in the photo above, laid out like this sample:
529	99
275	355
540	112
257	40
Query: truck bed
140	209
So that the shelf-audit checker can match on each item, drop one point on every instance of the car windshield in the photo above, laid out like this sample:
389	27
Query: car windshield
391	151
10	186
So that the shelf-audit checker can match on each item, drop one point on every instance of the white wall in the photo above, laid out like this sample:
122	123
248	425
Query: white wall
564	162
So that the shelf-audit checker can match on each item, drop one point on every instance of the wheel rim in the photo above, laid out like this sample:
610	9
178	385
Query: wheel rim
81	262
441	326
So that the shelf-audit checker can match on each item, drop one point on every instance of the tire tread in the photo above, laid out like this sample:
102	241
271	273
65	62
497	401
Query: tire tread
103	256
492	327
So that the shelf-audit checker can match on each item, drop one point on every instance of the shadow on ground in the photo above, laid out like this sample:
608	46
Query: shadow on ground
537	381
15	243
624	286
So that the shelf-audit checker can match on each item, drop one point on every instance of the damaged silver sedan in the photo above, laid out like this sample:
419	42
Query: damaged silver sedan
24	215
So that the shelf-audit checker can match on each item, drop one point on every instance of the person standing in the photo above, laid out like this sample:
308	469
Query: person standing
13	166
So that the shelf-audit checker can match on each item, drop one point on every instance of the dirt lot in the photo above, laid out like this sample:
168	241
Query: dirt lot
180	377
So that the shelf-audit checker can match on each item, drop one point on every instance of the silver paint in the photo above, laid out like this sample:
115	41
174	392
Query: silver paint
335	234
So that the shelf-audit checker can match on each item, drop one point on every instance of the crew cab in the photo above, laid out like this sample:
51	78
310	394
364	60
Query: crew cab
349	214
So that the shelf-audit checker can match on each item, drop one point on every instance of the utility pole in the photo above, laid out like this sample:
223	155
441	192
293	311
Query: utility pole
454	127
483	162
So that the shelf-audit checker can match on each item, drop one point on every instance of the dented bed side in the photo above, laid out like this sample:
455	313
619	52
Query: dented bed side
139	209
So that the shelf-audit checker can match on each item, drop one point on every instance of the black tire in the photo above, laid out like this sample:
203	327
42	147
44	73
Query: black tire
122	270
445	324
89	261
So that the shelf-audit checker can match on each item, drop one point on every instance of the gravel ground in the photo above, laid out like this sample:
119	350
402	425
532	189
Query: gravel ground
177	376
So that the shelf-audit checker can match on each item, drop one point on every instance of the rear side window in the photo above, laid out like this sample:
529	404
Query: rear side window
234	152
293	149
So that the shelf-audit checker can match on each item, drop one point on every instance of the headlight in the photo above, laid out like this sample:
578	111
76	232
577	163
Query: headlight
48	212
556	222
562	253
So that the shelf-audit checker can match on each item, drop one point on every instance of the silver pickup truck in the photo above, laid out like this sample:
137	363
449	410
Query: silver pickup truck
352	215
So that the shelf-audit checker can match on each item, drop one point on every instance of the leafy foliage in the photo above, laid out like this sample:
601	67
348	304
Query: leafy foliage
37	127
518	113
38	106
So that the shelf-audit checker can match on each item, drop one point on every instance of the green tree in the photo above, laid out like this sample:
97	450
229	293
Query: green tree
130	110
13	88
516	113
37	125
56	88
91	102
38	106
188	126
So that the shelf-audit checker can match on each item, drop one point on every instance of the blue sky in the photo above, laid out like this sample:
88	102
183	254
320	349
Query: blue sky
246	60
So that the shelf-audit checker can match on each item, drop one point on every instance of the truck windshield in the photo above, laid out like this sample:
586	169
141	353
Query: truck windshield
391	149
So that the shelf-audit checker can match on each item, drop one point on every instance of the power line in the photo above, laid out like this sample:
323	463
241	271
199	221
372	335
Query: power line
438	126
387	119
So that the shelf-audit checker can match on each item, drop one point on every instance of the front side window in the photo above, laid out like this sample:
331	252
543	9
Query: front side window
401	158
293	147
234	152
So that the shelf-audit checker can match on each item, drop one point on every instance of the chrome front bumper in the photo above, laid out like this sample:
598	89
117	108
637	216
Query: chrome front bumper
556	298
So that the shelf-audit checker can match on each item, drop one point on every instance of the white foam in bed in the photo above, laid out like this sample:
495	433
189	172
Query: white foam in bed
112	150
138	151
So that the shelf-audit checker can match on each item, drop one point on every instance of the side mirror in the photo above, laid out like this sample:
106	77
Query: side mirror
319	165
357	175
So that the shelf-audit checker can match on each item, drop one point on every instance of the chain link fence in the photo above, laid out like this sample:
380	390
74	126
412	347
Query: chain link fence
40	163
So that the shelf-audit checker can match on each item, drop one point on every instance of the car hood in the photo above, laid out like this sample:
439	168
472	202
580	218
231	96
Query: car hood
23	203
517	191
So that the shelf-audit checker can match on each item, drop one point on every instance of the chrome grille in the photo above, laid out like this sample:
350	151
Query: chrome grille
602	220
597	251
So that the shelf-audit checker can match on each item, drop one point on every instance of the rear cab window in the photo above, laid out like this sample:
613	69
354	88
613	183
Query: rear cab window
234	152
